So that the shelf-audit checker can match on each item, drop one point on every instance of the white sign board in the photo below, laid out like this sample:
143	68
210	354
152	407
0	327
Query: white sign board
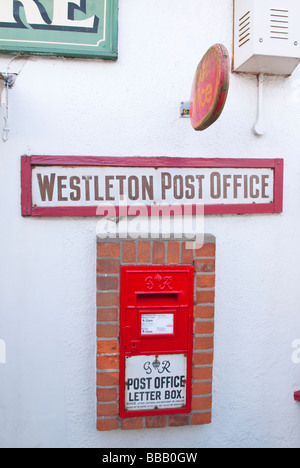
157	324
89	186
155	382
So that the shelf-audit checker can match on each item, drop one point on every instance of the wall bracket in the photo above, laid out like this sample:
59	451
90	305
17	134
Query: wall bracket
8	79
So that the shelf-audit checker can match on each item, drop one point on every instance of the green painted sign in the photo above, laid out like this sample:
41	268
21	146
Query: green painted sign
77	28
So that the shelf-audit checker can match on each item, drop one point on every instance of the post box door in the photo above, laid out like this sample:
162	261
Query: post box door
156	319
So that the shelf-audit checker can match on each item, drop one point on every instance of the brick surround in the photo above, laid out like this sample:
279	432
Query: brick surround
110	256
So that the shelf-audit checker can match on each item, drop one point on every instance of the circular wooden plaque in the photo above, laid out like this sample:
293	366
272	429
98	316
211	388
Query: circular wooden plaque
210	87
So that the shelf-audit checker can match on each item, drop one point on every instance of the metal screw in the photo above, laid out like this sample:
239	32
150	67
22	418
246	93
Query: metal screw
261	40
296	43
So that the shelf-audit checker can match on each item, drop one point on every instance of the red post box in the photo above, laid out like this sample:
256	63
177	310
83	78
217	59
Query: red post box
156	334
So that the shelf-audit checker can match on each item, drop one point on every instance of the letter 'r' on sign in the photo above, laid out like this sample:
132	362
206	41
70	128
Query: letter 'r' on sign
85	28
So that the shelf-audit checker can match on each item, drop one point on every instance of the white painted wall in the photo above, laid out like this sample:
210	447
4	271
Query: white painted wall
47	273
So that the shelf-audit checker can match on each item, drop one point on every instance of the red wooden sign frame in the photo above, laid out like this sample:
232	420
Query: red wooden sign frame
29	162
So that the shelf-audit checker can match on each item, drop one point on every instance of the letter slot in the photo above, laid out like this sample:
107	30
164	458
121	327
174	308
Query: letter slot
156	318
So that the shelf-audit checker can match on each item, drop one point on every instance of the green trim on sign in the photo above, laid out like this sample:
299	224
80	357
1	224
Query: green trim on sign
78	28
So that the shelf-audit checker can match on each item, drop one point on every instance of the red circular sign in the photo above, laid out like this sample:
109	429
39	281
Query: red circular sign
210	87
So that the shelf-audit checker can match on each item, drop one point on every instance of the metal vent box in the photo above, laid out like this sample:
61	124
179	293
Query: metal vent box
266	36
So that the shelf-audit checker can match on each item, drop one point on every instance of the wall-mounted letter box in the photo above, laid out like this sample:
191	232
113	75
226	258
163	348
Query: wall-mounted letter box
156	318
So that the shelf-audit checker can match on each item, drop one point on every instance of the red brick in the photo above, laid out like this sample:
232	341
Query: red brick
204	311
187	255
203	328
108	250
204	342
207	250
156	421
108	314
201	418
144	252
107	424
132	423
109	266
129	252
201	403
203	358
107	330
107	394
107	347
205	297
205	265
108	362
108	299
107	283
173	254
179	420
108	311
158	253
201	388
107	379
202	373
107	409
205	281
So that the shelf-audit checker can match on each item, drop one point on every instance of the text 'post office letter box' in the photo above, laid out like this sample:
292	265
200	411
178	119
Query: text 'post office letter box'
156	333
